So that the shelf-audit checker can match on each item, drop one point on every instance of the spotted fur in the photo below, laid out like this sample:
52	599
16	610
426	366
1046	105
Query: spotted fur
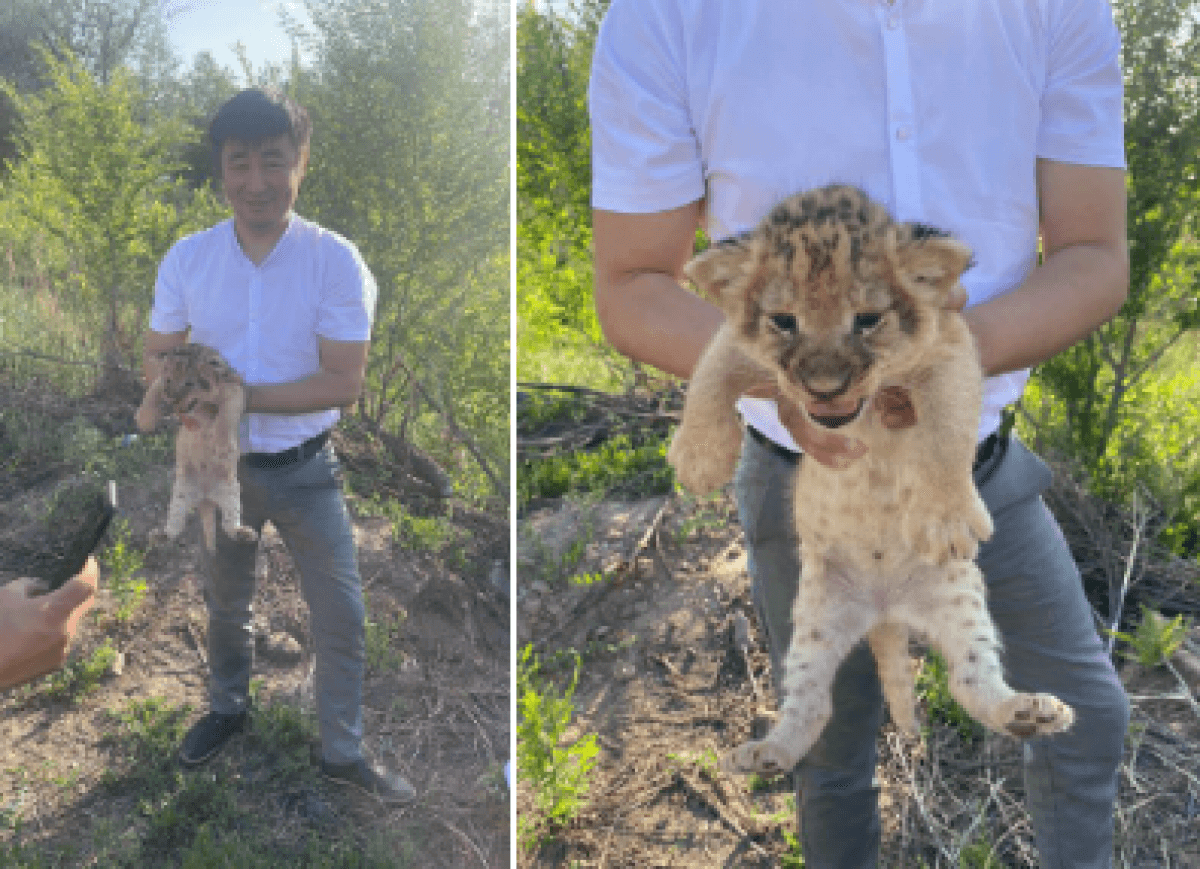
195	382
833	299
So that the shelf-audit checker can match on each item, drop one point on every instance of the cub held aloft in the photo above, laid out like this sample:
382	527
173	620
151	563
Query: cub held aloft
833	301
196	383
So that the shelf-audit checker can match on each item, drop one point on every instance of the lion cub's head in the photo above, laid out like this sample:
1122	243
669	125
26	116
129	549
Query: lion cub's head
193	381
192	375
831	293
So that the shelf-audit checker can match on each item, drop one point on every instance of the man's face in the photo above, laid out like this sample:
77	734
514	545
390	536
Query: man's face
261	181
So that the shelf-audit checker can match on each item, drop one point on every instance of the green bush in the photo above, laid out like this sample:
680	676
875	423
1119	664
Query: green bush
557	775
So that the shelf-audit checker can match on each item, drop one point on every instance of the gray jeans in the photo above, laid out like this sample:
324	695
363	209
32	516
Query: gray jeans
304	502
1050	644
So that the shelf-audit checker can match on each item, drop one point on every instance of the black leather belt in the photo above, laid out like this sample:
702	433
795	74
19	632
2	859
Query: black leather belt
985	450
310	447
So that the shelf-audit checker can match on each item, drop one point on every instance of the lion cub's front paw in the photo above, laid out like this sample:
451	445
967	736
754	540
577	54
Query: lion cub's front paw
762	756
702	464
954	538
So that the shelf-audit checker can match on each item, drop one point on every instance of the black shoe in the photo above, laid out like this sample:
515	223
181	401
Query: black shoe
209	735
370	779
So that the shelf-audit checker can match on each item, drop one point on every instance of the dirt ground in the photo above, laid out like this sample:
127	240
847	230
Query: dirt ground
436	698
669	689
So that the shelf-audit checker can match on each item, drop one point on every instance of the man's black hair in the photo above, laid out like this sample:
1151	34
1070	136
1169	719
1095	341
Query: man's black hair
257	114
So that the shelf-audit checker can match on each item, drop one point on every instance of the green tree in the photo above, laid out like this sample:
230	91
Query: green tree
554	232
103	188
103	34
1103	400
410	161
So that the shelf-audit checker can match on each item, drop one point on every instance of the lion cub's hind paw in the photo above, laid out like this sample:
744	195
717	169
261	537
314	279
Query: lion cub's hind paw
762	756
241	534
1028	715
161	538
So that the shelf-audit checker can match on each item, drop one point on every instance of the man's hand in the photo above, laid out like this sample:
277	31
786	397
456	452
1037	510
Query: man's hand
827	446
36	630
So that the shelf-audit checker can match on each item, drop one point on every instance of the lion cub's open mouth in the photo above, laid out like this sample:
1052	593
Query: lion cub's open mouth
838	421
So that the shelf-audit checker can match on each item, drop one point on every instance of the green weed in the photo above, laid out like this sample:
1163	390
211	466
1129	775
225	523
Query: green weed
1155	639
409	531
702	514
382	653
979	855
617	465
933	686
121	562
81	676
706	761
558	775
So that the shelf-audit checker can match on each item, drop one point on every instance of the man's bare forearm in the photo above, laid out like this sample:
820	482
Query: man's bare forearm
1082	281
652	319
320	391
642	305
1074	291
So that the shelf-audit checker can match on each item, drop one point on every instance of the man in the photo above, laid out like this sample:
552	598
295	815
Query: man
988	120
289	305
36	629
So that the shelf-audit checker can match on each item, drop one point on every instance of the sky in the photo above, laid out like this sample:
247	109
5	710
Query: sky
215	25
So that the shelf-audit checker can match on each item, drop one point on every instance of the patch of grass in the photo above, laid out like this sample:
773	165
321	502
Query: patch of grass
579	362
284	728
557	774
617	465
934	688
701	515
148	732
706	761
213	847
82	675
791	858
415	533
980	854
382	632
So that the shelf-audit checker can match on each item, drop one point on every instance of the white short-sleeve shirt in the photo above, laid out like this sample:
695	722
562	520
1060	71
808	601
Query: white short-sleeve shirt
939	109
266	319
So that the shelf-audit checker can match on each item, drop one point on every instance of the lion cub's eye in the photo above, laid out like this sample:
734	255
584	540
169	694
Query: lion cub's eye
783	322
866	322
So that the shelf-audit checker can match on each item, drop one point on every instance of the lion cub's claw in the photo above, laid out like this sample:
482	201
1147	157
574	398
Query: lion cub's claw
241	534
1028	715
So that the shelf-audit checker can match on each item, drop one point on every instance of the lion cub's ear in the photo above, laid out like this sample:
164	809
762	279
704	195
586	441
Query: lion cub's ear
930	260
719	272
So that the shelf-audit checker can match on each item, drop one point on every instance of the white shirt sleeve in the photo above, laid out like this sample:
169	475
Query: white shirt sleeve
645	156
347	307
168	311
1082	103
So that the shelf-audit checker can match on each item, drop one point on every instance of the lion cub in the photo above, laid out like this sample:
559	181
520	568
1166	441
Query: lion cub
834	300
198	384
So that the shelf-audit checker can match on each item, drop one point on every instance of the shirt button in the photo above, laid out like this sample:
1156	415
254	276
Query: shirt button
893	23
903	134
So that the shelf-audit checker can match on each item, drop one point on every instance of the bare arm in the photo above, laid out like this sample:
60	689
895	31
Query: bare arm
1083	278
338	383
643	308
